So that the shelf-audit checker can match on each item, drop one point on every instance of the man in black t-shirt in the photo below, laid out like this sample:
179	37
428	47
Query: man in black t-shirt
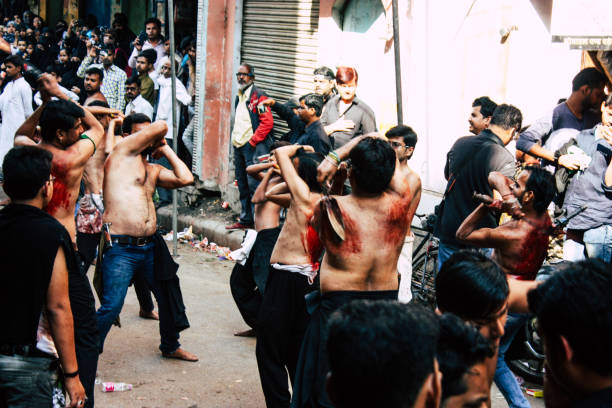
36	318
468	165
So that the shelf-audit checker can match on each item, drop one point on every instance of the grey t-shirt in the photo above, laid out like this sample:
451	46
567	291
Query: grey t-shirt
360	113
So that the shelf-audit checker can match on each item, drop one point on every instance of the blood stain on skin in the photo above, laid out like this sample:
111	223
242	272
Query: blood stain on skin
61	195
397	220
352	241
313	246
533	251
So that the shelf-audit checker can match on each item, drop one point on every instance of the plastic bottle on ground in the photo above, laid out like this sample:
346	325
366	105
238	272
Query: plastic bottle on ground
112	387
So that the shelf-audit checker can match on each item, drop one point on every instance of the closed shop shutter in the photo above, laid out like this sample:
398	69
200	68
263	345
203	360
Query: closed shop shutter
279	39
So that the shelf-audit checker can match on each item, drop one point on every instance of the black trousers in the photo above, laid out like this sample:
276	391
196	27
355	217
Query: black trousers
248	282
88	245
281	325
245	293
85	328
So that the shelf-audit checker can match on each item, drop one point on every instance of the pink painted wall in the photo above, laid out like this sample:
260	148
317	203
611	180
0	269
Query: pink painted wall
217	104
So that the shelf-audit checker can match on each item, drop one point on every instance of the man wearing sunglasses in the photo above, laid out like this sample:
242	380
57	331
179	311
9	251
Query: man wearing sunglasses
251	138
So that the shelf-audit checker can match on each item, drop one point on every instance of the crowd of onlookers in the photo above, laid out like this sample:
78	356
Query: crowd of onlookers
127	71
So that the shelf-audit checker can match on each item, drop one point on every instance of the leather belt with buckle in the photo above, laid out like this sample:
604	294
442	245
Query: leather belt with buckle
23	350
128	240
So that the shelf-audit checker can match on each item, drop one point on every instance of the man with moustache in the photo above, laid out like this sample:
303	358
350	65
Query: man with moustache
250	139
113	78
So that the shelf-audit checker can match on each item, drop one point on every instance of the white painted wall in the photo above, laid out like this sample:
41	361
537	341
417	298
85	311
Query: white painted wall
449	58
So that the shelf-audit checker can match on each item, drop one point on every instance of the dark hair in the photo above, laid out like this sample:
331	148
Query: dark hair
590	77
95	71
575	303
59	114
405	132
153	20
150	54
460	347
346	74
279	143
372	164
52	68
608	100
67	50
487	106
542	183
133	119
250	68
380	353
15	60
507	116
307	168
315	101
471	286
133	80
26	169
326	72
97	102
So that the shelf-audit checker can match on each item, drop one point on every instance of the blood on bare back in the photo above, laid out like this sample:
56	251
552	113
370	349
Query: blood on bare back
533	251
61	195
397	220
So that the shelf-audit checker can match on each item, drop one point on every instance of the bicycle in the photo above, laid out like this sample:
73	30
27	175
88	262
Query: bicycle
425	262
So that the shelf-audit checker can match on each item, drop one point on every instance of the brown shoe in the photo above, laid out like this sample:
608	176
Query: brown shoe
245	333
181	354
153	315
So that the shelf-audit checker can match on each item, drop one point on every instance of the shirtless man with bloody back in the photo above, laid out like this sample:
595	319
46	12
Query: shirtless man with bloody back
293	266
519	247
62	123
129	183
376	217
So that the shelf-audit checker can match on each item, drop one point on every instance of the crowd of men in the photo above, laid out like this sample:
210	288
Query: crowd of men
324	275
318	283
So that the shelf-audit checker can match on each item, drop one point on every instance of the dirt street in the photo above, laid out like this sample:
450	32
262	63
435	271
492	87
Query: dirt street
226	375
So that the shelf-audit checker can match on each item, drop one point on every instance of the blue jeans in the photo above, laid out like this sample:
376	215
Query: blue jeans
26	381
444	252
598	243
119	265
244	156
505	380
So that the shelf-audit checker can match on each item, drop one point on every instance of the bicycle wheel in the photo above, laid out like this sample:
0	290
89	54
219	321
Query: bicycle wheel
424	270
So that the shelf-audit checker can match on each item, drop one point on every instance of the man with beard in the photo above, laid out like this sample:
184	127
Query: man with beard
113	84
15	102
250	138
325	83
61	124
578	112
92	84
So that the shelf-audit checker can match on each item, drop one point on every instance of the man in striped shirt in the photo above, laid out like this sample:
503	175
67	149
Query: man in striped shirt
113	84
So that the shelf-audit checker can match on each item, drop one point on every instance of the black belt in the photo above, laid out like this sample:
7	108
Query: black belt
128	240
23	350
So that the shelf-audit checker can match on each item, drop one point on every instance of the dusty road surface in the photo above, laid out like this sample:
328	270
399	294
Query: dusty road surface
226	375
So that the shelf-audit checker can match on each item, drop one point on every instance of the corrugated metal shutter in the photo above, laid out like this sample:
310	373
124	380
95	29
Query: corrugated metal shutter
279	39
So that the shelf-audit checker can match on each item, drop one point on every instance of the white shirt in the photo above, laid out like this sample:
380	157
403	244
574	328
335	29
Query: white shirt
164	110
139	105
159	48
15	106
